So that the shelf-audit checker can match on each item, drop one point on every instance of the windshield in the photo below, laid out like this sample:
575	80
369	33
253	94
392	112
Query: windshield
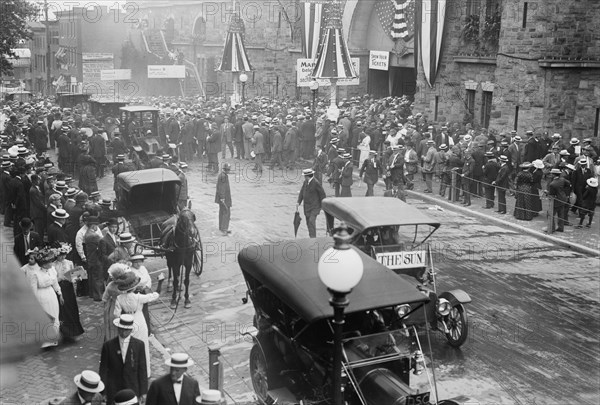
383	346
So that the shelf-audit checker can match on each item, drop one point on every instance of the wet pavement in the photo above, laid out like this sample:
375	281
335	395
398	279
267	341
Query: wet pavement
533	323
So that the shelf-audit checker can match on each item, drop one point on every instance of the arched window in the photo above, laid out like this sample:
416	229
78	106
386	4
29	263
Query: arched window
199	29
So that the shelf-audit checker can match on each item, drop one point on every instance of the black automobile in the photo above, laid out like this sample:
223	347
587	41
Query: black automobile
291	358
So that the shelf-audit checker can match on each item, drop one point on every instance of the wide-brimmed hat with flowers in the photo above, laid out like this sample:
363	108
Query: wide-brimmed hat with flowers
128	282
46	255
64	249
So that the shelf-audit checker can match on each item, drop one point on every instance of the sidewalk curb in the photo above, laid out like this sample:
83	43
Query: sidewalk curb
548	238
544	236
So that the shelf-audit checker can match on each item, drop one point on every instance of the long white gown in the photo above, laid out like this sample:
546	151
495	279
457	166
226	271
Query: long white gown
132	303
44	284
364	147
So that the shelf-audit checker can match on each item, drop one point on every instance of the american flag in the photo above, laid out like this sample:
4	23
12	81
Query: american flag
397	17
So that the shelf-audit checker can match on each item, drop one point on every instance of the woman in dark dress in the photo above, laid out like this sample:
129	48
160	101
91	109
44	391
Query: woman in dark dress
70	325
538	174
524	193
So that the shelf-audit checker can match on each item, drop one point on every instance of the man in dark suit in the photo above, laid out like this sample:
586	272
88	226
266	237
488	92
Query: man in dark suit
56	230
579	178
174	388
37	208
490	173
223	198
371	169
312	194
346	179
26	240
501	183
558	188
98	152
89	386
123	361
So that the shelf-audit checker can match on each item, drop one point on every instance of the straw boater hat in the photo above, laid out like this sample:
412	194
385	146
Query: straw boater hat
137	257
209	397
59	213
538	164
555	171
179	360
503	158
592	182
89	381
71	192
106	202
308	172
126	237
574	141
125	321
525	165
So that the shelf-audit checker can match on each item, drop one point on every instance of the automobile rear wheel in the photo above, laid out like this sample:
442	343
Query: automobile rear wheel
258	374
458	326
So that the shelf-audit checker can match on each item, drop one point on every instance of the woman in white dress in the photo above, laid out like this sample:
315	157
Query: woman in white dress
44	283
364	147
132	303
145	285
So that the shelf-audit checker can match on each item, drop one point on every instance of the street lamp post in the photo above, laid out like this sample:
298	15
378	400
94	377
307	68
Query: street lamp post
314	87
243	80
340	268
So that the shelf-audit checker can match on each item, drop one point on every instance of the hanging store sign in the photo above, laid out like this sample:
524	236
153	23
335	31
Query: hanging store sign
379	60
166	72
305	67
115	74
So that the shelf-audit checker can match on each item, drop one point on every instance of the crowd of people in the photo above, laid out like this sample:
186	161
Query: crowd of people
70	241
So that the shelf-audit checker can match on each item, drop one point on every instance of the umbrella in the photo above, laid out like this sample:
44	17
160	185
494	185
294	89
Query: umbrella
297	221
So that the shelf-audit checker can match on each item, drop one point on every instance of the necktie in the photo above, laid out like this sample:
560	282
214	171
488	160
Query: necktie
26	243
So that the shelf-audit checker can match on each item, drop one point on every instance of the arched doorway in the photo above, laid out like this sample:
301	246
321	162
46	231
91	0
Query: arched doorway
366	20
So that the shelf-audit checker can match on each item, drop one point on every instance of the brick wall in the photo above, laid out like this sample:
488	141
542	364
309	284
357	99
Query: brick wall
550	99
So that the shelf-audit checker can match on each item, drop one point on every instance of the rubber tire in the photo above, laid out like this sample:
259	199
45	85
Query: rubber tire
458	314
258	374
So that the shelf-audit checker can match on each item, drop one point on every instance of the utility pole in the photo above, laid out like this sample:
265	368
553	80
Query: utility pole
48	52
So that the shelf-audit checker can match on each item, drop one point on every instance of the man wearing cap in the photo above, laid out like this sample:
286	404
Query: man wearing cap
223	198
312	194
429	165
534	149
213	147
107	245
276	147
346	175
258	147
371	170
559	189
89	386
175	388
123	361
501	183
320	164
248	131
290	141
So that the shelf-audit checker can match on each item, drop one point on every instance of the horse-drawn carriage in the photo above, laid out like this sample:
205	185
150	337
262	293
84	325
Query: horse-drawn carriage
148	199
139	127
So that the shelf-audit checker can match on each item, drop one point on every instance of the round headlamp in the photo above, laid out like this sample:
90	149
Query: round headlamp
443	306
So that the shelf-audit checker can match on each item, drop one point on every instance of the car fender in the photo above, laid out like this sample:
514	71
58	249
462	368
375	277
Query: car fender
456	297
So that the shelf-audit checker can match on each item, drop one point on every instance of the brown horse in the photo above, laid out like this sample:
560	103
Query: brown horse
182	241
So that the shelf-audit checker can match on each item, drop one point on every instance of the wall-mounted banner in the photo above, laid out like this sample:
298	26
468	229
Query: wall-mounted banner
379	60
166	72
304	69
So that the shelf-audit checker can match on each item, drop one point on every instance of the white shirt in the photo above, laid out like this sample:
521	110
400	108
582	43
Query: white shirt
177	389
142	273
79	240
124	346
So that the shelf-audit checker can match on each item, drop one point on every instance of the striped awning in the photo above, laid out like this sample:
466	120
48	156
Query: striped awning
235	58
333	57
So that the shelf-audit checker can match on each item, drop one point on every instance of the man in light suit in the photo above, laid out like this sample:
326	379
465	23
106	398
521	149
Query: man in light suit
89	386
174	388
311	194
123	361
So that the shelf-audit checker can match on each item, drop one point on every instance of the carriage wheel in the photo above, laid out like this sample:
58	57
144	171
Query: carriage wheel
199	260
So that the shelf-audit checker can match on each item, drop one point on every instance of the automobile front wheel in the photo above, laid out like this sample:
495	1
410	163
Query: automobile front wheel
258	374
458	326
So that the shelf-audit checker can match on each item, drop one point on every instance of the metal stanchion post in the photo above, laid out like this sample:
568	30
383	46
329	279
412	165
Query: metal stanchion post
550	215
453	186
215	369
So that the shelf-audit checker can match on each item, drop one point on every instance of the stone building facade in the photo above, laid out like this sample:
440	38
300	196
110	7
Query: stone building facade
542	73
